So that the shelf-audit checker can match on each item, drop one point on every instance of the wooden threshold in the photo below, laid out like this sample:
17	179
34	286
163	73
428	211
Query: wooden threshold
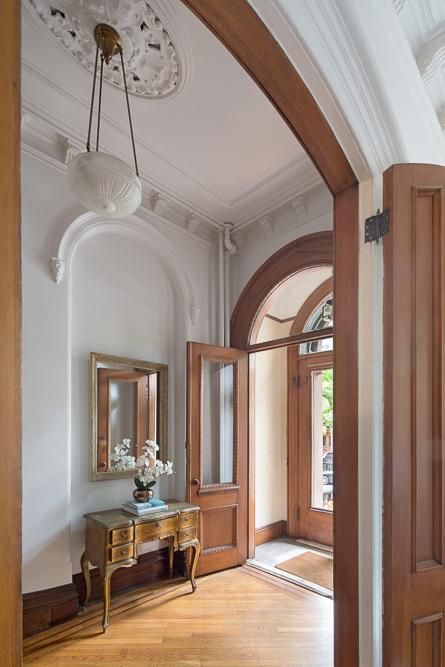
278	581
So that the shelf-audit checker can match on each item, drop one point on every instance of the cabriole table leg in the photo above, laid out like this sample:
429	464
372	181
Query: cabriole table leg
85	566
196	551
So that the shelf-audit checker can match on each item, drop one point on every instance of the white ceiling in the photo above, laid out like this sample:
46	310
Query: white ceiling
218	148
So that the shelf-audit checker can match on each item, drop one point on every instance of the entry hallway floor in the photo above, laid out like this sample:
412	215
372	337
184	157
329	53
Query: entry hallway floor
236	618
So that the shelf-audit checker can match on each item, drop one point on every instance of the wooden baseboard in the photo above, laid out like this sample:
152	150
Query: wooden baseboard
45	609
92	616
270	532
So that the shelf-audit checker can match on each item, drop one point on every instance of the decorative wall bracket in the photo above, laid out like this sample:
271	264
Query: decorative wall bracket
57	269
266	224
194	314
299	206
159	204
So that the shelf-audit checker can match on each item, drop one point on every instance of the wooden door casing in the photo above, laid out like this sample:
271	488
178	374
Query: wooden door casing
414	456
223	516
304	521
10	350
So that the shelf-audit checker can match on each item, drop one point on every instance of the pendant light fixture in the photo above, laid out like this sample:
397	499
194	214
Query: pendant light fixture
102	182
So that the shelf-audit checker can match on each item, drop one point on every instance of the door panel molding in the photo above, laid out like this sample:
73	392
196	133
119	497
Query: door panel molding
414	448
223	541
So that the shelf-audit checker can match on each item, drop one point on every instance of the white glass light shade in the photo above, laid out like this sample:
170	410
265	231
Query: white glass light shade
104	184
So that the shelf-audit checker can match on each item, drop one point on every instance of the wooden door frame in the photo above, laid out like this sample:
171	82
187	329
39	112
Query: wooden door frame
289	260
10	349
295	452
305	311
237	26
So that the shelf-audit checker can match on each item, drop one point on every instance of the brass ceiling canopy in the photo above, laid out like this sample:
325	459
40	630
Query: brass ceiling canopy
108	41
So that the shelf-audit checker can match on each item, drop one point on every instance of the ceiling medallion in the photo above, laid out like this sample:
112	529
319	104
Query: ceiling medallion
151	59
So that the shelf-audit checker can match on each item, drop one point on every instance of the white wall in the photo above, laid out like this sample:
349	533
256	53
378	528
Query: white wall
129	289
270	434
287	226
122	294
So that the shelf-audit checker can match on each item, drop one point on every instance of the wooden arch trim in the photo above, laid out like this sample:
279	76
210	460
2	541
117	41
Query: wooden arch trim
311	303
303	253
239	28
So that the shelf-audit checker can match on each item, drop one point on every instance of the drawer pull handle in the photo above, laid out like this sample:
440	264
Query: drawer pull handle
157	524
123	552
123	533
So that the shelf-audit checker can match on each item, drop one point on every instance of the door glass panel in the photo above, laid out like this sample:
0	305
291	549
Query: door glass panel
122	412
217	422
322	345
322	466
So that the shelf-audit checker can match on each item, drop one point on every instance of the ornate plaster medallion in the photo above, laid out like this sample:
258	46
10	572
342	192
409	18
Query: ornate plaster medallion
151	58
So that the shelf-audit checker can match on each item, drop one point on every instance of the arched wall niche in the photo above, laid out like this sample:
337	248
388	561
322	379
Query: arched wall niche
87	230
90	224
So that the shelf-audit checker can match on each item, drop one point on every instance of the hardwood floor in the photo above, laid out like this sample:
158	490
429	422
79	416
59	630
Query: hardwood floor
236	618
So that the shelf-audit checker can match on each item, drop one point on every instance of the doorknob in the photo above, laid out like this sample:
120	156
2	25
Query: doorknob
196	482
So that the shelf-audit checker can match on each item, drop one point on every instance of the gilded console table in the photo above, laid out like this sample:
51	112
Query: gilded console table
113	537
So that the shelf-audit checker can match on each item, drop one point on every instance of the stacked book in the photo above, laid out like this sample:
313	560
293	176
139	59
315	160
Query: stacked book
141	509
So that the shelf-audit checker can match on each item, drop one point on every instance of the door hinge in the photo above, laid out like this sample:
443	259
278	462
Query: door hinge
297	381
377	226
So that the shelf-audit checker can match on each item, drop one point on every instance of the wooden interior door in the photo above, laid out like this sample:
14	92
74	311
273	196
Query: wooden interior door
217	407
414	376
310	471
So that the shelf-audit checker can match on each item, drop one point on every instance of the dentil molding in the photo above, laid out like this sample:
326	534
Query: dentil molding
152	62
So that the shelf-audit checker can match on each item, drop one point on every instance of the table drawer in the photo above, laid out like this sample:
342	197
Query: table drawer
123	552
187	519
121	535
186	535
156	530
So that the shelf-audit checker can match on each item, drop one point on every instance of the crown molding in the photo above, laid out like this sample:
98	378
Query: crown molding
368	87
423	22
50	145
43	93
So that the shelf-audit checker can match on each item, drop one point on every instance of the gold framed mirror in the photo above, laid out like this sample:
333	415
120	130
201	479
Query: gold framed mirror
129	400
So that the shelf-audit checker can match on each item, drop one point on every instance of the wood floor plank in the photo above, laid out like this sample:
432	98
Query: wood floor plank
233	620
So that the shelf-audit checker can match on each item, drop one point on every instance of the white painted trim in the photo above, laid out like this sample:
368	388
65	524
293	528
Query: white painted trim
90	224
370	436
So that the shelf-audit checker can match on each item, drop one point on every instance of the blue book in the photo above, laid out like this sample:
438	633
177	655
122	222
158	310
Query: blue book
137	511
154	502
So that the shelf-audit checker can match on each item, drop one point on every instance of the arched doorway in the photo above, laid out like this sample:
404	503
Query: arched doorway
239	28
307	257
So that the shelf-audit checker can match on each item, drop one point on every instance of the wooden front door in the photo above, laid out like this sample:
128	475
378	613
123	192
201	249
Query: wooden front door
217	405
414	451
311	473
